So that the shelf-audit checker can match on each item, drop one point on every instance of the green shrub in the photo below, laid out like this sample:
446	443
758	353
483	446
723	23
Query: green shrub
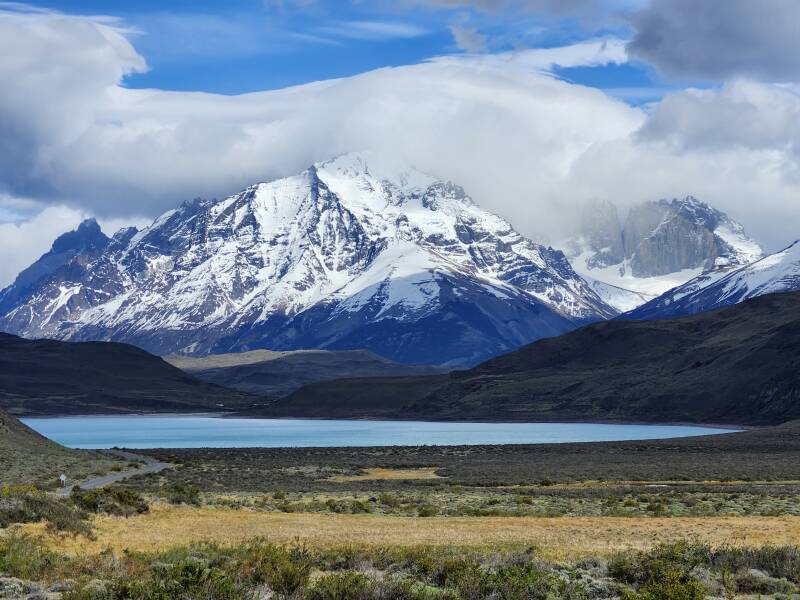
662	563
184	493
673	587
25	504
427	510
777	561
389	500
24	556
191	578
285	571
359	507
753	581
514	582
110	500
343	586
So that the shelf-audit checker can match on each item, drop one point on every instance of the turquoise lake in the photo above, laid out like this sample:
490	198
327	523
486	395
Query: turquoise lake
214	432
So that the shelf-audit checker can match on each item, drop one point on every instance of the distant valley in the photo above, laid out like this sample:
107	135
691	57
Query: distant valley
275	374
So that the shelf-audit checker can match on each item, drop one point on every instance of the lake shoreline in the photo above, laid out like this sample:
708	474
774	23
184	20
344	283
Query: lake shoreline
209	430
731	427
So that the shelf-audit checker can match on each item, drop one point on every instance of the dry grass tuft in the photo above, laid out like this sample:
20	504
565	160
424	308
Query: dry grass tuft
557	538
391	474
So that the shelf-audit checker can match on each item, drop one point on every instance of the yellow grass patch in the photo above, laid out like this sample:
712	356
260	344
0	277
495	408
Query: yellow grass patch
395	474
557	538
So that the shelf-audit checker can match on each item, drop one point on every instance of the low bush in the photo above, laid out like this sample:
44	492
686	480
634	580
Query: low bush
342	586
183	493
778	561
114	501
665	562
673	587
285	571
25	556
428	510
26	504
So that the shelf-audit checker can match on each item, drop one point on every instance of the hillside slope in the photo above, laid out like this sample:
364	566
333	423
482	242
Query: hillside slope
269	373
736	365
27	457
46	377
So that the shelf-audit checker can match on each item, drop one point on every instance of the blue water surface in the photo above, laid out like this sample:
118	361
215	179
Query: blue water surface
174	431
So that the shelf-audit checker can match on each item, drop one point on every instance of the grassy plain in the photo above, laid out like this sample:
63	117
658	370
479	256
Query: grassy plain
558	538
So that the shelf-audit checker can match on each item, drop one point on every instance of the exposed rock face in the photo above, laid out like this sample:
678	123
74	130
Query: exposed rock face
353	253
669	236
603	233
660	245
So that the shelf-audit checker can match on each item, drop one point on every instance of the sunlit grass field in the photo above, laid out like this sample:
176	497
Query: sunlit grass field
556	538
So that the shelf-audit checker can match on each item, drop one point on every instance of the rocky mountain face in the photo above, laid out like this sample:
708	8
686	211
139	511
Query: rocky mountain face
776	273
353	253
660	245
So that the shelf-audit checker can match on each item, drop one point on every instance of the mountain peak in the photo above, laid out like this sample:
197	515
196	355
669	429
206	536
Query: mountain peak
660	244
775	273
87	235
359	252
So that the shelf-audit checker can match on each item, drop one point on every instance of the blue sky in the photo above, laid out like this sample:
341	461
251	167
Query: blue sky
241	46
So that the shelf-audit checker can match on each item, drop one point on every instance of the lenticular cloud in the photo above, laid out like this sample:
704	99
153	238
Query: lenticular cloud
522	142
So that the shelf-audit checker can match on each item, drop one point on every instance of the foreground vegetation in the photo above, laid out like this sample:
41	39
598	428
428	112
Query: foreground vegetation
580	521
257	569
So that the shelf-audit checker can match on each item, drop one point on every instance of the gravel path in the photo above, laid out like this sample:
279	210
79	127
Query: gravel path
151	466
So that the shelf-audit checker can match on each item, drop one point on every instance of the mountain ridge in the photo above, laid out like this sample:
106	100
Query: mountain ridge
660	245
273	374
775	273
357	252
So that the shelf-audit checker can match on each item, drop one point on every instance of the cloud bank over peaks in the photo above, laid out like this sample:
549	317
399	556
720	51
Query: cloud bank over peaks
521	141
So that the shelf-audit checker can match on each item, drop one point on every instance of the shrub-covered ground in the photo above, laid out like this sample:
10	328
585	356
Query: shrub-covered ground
771	454
679	571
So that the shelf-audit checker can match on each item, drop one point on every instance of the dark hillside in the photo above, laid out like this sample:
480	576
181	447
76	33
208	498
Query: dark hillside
736	365
47	377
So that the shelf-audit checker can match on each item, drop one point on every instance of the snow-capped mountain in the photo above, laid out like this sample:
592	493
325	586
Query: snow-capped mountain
779	272
356	252
659	246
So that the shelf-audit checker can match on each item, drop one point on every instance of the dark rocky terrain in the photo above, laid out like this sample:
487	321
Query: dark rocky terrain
736	365
269	373
47	377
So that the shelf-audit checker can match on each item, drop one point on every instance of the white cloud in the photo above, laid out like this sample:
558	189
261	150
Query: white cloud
521	141
736	147
372	30
469	38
